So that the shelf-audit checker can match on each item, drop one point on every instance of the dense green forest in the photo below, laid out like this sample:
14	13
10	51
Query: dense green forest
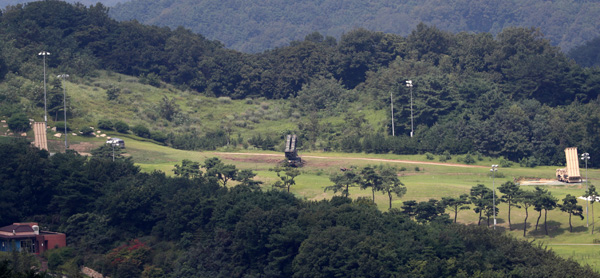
255	26
512	95
126	223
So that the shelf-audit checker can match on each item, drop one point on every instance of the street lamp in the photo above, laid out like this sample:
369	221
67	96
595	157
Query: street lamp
44	54
586	157
64	76
494	170
410	85
392	109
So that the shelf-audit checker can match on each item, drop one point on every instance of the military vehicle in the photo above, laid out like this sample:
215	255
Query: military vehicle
571	173
291	153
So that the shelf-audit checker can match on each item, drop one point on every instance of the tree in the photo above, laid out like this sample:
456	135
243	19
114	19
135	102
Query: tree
390	184
592	194
188	169
456	204
481	198
570	206
526	199
18	123
428	211
537	203
342	182
370	178
546	202
287	177
409	208
107	151
511	192
223	172
246	178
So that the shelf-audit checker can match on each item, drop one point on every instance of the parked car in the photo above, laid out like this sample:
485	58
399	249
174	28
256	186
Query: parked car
117	142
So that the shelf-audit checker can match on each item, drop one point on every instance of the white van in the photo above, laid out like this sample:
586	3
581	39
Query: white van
117	142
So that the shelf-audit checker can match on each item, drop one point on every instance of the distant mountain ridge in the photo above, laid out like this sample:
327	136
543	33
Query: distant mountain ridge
254	26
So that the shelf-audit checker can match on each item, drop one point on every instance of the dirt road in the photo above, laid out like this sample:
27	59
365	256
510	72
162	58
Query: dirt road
352	158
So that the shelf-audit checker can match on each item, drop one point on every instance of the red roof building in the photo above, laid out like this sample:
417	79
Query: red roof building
28	237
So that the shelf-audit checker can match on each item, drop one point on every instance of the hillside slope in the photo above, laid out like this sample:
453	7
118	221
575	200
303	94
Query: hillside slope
254	26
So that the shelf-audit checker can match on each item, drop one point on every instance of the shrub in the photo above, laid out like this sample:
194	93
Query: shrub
86	131
469	159
429	156
105	124
18	122
504	163
141	131
121	127
224	100
60	127
158	136
113	93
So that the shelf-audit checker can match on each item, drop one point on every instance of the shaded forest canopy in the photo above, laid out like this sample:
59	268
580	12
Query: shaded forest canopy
125	223
513	95
254	26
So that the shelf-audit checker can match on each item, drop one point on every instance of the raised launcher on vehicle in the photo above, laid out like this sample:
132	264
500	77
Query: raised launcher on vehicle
291	154
571	173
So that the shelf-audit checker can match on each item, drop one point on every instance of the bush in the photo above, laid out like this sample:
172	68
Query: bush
18	123
86	131
158	136
141	131
429	156
224	100
113	93
60	127
469	159
504	163
105	124
121	127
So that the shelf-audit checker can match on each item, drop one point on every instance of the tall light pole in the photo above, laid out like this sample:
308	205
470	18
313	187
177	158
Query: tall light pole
392	109
494	170
64	76
410	85
586	157
44	54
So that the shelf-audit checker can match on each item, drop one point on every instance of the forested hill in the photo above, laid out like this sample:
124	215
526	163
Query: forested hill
513	95
253	26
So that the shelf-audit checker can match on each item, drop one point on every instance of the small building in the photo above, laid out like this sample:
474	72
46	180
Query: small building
28	237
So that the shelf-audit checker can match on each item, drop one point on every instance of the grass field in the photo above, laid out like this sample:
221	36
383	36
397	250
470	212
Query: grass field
430	181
